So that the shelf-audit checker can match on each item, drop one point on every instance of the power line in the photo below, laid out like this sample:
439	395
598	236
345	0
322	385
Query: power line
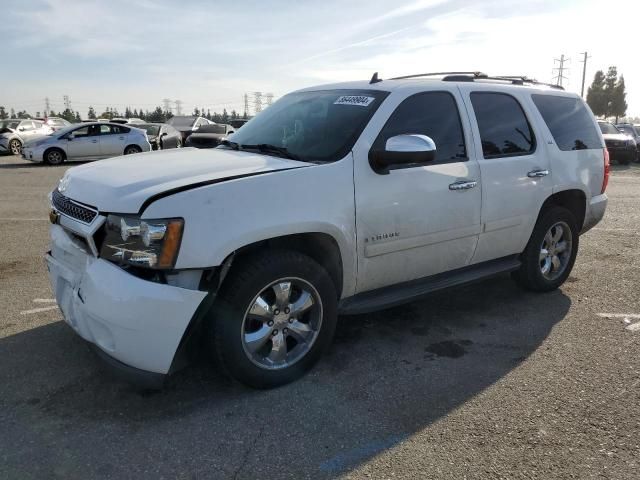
178	107
67	102
167	104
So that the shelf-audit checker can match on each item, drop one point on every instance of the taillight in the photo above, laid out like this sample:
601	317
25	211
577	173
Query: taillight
607	171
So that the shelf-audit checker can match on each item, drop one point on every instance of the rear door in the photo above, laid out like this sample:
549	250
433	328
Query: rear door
112	140
414	221
516	173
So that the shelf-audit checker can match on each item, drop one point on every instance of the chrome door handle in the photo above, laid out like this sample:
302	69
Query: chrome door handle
463	185
94	141
121	138
537	173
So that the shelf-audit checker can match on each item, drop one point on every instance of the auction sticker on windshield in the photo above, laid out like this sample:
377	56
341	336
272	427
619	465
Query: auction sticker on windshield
359	100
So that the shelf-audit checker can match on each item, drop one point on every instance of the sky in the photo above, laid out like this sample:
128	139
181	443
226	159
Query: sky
210	53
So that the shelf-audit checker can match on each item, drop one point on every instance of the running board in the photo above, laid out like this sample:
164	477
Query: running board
406	292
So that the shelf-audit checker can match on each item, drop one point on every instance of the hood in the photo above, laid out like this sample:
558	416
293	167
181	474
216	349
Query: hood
122	184
37	138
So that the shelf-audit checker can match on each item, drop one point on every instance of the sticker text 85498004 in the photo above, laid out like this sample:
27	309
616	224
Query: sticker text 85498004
359	100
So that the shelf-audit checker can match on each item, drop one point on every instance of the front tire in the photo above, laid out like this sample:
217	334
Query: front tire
15	146
274	316
54	157
551	252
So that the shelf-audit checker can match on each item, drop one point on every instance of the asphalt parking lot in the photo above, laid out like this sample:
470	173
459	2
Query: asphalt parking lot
485	381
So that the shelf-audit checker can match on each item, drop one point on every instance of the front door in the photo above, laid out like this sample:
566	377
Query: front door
85	142
414	221
516	175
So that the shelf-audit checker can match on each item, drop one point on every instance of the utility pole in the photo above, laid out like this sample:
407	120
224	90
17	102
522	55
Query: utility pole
560	69
269	97
584	71
167	105
47	108
246	106
67	103
178	107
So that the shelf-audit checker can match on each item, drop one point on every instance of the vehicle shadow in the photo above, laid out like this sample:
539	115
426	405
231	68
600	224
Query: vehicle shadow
387	376
38	165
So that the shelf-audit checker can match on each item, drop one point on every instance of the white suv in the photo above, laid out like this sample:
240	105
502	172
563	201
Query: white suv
337	199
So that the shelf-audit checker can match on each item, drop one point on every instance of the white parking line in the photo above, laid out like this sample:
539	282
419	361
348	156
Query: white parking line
626	320
38	310
44	300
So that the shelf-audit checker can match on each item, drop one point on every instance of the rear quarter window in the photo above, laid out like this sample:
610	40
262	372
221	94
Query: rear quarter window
569	122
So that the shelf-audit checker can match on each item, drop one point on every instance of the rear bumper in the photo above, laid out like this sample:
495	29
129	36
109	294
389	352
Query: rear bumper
623	154
136	323
595	211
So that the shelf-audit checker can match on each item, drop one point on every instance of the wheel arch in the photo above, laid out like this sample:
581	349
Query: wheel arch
574	200
319	246
132	145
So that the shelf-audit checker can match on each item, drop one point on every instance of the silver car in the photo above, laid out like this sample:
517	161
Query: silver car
14	132
87	141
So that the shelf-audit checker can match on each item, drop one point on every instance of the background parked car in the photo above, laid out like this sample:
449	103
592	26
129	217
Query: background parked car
161	136
209	136
86	141
622	148
187	125
56	123
238	123
634	132
14	132
125	121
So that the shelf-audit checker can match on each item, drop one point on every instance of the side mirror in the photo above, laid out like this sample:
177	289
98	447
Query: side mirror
411	149
163	134
21	129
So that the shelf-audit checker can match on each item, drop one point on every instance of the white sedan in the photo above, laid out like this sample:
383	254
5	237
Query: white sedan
87	141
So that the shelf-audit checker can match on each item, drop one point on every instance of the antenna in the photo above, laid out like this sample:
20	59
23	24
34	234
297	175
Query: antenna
374	79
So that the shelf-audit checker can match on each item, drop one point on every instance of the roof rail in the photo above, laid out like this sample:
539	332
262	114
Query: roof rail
435	74
473	76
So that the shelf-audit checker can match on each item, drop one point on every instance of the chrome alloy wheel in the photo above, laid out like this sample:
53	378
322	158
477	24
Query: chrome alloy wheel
54	157
555	251
282	323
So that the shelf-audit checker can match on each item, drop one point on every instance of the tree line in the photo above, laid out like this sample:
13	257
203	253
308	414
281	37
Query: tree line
606	95
157	115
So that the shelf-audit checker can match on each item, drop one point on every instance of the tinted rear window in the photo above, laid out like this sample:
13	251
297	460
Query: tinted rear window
569	122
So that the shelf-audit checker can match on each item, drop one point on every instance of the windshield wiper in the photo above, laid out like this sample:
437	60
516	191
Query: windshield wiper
268	148
230	144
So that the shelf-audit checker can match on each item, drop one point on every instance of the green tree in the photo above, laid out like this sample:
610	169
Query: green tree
77	119
92	114
3	113
618	101
609	89
156	116
13	113
596	98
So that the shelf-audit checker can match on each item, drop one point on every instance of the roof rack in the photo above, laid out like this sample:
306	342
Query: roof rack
473	76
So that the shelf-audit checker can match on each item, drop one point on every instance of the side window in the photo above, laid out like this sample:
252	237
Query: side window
434	114
37	125
504	129
81	132
569	122
27	126
106	130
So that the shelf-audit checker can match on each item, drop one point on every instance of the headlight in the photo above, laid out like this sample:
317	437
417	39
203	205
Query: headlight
143	243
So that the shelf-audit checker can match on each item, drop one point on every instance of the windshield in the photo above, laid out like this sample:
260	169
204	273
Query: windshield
152	130
12	124
313	126
607	128
213	129
181	121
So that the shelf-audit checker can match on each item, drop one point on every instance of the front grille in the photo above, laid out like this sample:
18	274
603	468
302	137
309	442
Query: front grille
72	209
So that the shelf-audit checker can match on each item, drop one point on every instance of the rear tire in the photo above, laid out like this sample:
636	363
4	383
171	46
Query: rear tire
131	149
551	252
54	156
273	318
